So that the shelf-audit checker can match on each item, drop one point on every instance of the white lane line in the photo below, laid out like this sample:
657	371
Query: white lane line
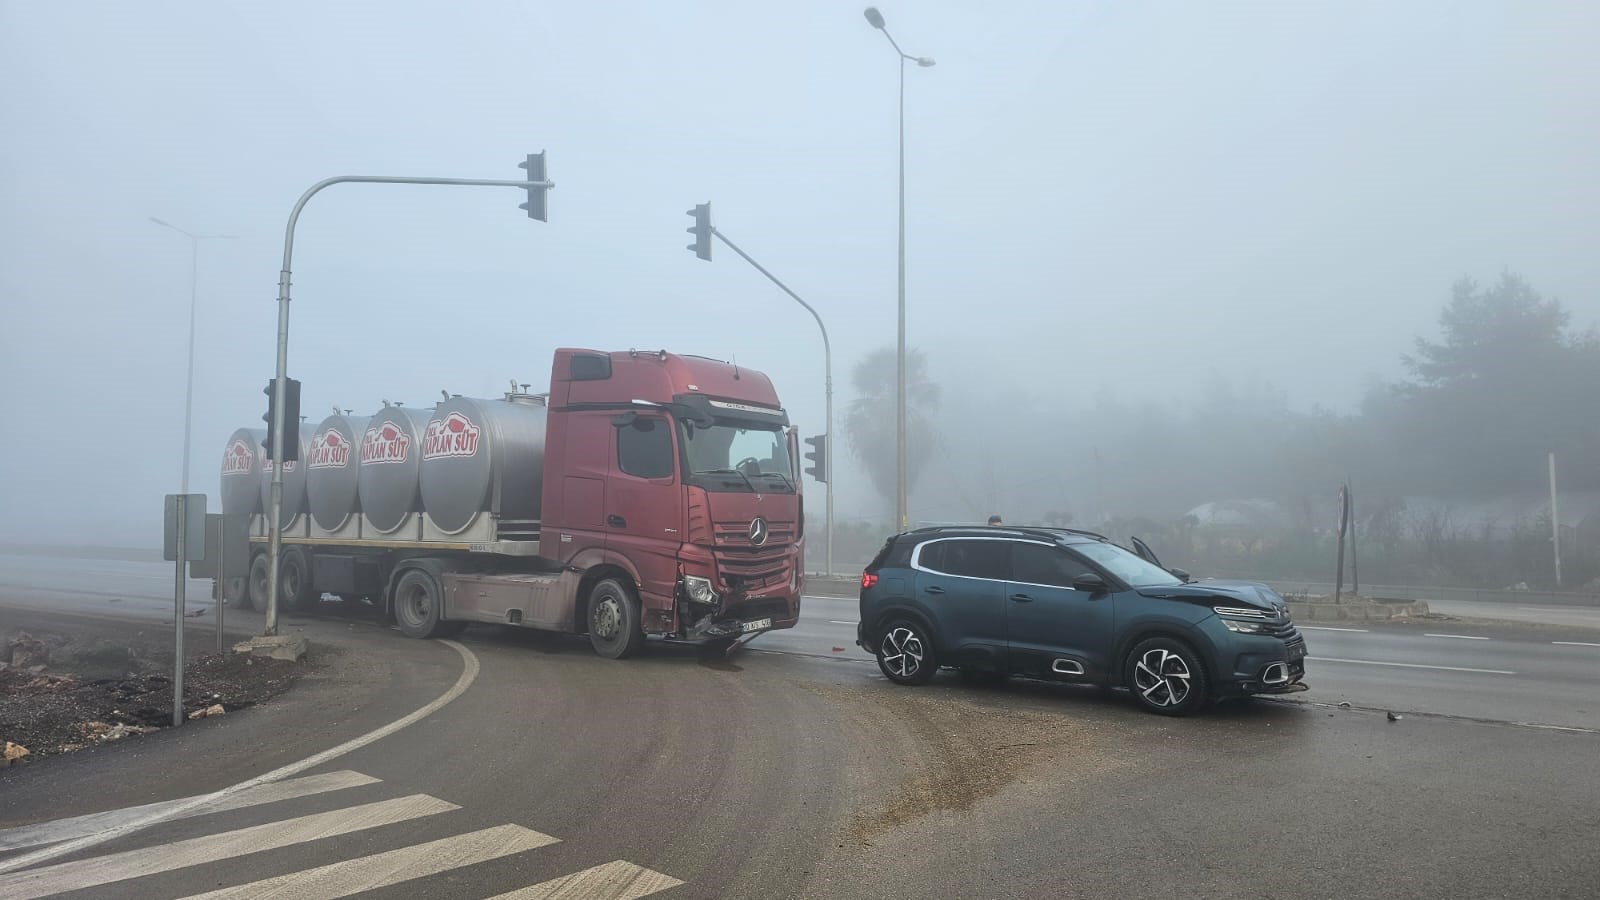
618	880
1373	662
1459	637
1330	628
837	622
113	867
341	879
469	674
78	826
1575	643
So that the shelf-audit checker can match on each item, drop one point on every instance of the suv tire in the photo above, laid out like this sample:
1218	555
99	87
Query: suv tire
1167	677
905	653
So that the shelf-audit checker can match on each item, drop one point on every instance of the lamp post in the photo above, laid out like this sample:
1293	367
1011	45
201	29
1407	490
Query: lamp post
875	19
194	275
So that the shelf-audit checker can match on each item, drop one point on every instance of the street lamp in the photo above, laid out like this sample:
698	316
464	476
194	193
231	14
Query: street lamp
875	19
194	273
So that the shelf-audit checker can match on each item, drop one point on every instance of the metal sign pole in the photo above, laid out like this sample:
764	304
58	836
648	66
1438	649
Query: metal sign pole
219	583
180	589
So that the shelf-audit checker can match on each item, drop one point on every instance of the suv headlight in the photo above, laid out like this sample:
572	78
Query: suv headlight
699	589
1241	621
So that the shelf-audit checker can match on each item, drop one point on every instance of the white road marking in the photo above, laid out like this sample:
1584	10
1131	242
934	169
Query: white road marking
469	673
1330	628
78	826
1575	643
80	874
341	879
1373	662
837	622
1459	637
618	880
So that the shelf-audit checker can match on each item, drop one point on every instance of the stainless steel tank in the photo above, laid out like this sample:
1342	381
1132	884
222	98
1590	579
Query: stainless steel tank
483	456
241	472
391	447
333	470
294	482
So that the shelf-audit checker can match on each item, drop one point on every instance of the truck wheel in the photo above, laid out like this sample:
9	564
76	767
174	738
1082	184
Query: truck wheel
254	595
1167	677
295	591
614	628
417	604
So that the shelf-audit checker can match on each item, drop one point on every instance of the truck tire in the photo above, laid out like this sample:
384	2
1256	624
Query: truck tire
254	595
615	631
296	593
418	602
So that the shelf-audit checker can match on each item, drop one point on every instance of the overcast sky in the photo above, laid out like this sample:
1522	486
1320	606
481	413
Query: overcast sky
1109	194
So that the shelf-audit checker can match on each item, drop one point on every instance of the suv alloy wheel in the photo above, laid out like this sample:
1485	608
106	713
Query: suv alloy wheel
905	653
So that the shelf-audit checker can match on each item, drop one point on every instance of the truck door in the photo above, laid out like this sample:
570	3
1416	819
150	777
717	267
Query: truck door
644	504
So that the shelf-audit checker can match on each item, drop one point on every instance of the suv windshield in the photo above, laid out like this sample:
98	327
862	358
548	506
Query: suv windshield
750	457
1127	566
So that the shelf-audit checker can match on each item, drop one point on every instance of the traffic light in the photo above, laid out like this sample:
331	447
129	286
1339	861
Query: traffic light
818	455
291	418
537	196
701	229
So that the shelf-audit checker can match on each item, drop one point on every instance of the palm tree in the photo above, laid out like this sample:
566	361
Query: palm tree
870	421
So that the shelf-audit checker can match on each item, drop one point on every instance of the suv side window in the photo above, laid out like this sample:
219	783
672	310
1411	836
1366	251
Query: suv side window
969	558
1041	564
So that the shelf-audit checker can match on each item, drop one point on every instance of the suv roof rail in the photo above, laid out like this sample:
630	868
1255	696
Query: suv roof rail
1015	530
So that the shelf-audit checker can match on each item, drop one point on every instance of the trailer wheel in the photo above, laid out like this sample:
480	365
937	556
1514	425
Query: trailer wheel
417	601
295	590
615	631
254	596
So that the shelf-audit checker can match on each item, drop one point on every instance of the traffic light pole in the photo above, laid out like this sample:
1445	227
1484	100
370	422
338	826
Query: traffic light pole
275	513
827	375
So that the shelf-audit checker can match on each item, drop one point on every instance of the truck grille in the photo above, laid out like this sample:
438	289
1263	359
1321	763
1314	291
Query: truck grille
739	535
752	567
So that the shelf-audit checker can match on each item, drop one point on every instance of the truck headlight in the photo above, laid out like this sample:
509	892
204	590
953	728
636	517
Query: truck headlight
699	589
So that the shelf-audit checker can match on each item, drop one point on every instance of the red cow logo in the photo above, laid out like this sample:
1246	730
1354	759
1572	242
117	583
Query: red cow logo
238	459
454	435
329	450
384	443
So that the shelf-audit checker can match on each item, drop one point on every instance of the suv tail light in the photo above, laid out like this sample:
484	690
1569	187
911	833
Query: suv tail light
868	579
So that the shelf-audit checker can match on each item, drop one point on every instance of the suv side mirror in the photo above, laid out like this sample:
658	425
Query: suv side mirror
1090	583
1182	575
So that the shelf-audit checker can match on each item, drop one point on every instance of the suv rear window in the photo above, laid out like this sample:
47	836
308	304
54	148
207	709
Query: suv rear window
895	554
969	558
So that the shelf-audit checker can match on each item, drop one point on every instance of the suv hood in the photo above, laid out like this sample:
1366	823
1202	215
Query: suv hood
1243	593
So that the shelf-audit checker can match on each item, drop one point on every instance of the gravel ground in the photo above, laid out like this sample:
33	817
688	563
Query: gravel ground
95	688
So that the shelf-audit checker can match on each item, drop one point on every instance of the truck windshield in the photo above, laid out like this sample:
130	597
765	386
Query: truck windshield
738	457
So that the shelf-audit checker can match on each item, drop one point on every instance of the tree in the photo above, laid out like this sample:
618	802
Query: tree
870	421
1506	382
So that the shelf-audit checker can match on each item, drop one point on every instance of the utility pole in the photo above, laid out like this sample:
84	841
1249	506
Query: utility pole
1555	520
537	184
704	230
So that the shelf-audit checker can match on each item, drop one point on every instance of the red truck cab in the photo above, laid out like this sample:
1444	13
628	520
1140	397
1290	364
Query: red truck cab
676	473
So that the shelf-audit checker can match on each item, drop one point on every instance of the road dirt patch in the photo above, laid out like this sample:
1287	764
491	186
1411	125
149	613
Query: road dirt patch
80	688
951	748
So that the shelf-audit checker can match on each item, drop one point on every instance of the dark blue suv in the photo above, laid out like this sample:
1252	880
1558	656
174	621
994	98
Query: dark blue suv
1070	605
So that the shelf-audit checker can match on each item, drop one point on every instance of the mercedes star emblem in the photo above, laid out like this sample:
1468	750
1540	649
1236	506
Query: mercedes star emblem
758	531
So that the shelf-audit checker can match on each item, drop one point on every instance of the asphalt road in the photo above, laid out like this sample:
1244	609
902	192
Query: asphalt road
800	772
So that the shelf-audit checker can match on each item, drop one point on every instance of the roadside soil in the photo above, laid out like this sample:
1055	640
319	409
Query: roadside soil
64	687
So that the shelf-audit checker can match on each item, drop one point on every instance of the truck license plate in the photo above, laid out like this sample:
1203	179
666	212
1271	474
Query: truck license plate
756	625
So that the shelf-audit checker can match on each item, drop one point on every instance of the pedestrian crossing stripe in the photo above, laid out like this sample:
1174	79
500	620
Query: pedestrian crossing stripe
616	880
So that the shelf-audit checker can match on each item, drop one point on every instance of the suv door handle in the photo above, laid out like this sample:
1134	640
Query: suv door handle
1021	598
616	521
934	589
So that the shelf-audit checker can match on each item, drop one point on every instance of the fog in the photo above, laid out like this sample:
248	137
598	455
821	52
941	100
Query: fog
1116	214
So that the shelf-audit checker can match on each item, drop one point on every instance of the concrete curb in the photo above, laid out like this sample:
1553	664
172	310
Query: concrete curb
1364	611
